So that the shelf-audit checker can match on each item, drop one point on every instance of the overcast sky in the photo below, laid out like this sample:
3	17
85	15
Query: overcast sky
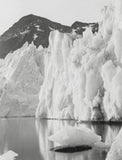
62	11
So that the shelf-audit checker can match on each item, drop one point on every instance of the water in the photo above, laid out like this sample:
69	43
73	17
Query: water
29	138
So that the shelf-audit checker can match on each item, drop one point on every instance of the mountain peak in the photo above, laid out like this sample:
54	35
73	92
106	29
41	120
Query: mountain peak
34	28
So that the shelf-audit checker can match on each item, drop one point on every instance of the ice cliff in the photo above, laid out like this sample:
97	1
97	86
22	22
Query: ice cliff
83	76
21	75
74	78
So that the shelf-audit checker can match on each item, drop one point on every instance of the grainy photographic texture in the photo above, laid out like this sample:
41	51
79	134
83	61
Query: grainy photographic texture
60	79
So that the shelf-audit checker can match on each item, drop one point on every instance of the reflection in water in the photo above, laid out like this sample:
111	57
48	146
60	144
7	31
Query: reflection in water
3	143
47	128
100	130
42	128
111	133
29	138
115	152
20	136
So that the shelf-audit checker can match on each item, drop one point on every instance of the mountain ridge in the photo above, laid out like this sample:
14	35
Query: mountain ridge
37	29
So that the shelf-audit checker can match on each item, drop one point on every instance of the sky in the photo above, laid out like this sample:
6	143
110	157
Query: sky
62	11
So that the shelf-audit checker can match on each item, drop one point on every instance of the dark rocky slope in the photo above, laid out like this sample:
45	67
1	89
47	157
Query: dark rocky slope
37	29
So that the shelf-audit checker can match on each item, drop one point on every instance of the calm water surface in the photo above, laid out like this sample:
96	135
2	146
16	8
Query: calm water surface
29	138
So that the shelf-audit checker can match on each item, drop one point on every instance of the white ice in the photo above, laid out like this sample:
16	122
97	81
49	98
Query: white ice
73	136
10	155
21	75
83	75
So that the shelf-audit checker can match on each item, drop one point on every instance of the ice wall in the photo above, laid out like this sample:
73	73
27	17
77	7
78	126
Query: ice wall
21	75
83	77
70	69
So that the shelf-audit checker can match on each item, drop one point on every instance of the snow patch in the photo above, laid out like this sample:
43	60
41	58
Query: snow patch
25	32
38	28
35	37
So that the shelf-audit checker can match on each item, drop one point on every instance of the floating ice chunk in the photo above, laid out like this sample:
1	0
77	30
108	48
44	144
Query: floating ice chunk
10	155
101	145
72	136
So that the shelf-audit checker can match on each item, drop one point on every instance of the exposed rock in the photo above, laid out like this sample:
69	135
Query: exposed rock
35	29
80	27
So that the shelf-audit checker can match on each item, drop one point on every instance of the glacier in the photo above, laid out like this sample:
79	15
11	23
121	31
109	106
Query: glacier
83	75
21	75
76	77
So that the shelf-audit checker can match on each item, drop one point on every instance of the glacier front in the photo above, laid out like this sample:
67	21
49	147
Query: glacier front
21	75
83	75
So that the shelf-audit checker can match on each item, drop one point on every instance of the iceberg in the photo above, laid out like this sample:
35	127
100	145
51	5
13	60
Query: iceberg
10	155
45	129
73	136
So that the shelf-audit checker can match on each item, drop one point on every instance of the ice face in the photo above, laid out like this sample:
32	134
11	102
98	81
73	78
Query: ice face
82	77
20	81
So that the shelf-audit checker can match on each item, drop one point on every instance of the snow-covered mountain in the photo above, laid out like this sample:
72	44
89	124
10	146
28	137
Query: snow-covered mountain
37	29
